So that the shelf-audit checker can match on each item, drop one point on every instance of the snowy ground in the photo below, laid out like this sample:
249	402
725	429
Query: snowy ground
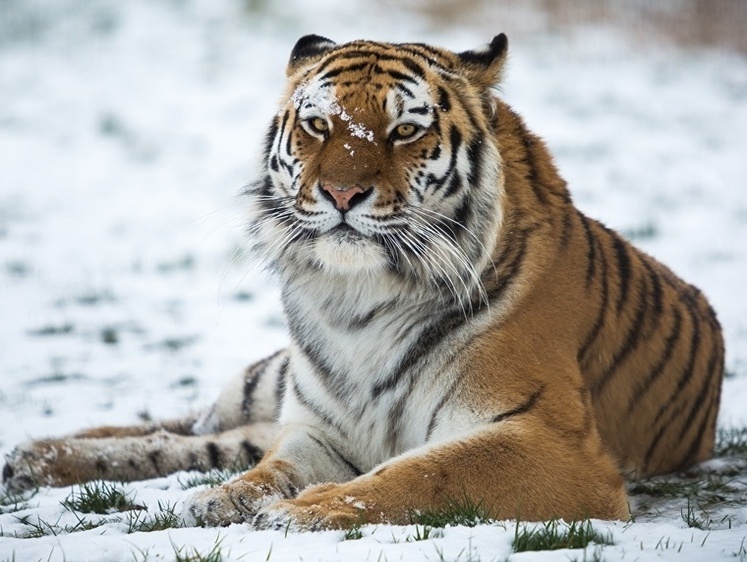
126	132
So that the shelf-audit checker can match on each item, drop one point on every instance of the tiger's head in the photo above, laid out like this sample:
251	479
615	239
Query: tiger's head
383	161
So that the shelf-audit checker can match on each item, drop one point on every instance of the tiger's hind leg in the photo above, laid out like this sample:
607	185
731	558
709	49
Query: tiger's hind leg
235	431
61	462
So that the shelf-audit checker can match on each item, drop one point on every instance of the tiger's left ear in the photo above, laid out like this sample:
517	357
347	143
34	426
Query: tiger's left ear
308	48
483	67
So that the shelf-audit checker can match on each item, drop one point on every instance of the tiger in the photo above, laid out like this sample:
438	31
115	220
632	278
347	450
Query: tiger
459	330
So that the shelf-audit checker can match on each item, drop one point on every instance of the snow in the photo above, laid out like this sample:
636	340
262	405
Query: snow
126	133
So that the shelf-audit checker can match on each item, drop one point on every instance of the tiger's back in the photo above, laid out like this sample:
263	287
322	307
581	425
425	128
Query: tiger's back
648	344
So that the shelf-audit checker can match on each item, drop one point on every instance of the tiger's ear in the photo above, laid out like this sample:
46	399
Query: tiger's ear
483	67
307	49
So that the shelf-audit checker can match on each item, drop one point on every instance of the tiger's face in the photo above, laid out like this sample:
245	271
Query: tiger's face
382	160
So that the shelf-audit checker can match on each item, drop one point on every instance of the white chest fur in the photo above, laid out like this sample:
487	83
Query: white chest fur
373	362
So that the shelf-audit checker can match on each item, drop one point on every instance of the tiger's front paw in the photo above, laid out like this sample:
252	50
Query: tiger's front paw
318	508
234	502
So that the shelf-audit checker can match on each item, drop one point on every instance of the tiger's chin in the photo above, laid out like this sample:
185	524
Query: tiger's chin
346	251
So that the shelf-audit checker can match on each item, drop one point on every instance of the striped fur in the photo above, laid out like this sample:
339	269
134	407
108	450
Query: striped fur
458	327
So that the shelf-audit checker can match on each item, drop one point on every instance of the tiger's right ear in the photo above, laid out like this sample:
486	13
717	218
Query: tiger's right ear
307	49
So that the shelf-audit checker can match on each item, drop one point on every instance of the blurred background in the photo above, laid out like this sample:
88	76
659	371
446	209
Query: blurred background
128	128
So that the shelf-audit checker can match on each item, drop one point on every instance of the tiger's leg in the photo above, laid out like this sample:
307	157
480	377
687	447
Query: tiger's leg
61	462
248	404
513	470
301	456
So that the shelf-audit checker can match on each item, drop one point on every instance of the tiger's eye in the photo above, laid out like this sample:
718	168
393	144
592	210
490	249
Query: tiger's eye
318	125
405	130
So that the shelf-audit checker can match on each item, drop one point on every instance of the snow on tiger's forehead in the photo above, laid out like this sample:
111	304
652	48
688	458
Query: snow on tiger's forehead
362	105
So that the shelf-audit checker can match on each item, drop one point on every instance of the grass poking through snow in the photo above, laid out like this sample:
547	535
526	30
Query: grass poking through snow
555	534
99	497
462	511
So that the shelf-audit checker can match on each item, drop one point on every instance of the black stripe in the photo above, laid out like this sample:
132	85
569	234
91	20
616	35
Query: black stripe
251	379
444	103
475	157
591	253
455	137
316	409
214	455
154	457
429	54
632	338
432	336
508	266
399	76
657	293
343	55
333	453
689	457
333	382
521	408
252	453
454	185
565	234
414	67
283	124
395	413
341	69
423	110
440	406
673	397
623	267
689	366
362	321
658	369
697	403
280	385
289	143
529	159
405	90
603	305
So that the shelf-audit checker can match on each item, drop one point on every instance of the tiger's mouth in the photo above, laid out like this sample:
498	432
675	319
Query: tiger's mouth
343	232
345	250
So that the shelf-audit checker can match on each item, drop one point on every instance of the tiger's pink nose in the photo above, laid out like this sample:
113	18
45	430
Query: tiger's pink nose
345	198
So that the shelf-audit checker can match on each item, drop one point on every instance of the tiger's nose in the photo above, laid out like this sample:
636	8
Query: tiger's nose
345	198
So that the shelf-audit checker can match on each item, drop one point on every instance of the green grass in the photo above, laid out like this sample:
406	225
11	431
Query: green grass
10	502
211	478
662	488
731	442
690	517
215	554
39	528
139	521
353	534
135	519
424	532
456	512
99	497
554	535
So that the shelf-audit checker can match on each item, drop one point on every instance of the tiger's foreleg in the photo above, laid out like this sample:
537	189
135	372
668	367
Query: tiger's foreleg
301	456
236	430
512	470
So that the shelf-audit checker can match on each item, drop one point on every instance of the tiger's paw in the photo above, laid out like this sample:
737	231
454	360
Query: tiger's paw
234	502
318	508
31	465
